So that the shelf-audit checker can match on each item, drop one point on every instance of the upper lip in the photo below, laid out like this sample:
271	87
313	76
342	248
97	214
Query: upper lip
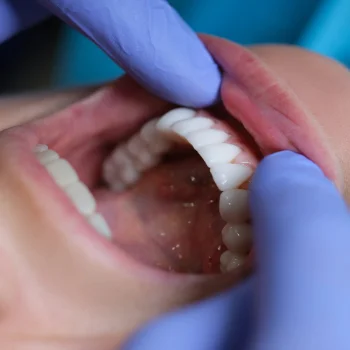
268	108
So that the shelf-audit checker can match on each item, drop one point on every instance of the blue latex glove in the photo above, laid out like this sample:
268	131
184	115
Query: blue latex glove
300	296
17	15
151	42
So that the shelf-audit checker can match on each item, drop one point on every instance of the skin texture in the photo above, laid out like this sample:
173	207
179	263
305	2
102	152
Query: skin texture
62	287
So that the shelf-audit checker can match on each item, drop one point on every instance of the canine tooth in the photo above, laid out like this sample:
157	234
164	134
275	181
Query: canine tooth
81	197
227	176
40	148
218	153
237	237
62	172
99	223
234	206
193	124
173	116
207	137
47	156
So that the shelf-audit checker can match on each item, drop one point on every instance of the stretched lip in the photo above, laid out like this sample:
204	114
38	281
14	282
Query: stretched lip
268	109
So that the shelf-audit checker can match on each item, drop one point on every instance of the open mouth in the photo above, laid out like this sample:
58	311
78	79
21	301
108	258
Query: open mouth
173	195
167	187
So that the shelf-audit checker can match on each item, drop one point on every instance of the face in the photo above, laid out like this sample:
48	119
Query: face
64	284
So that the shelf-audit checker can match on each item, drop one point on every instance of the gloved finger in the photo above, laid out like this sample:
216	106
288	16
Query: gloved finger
151	42
302	236
18	15
219	323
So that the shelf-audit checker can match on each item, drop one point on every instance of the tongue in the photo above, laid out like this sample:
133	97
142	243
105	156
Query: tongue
170	218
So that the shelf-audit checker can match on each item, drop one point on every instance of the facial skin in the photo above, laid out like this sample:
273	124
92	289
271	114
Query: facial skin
62	287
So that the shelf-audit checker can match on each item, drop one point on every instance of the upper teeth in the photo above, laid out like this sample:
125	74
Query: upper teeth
143	151
67	178
219	156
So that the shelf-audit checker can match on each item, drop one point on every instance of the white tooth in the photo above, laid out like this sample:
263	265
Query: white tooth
227	176
145	161
62	172
138	148
81	197
120	158
40	148
202	138
173	116
155	141
124	168
226	257
47	156
237	237
136	145
234	206
99	223
218	153
235	262
128	174
186	126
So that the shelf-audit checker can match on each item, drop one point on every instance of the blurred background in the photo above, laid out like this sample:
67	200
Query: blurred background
51	55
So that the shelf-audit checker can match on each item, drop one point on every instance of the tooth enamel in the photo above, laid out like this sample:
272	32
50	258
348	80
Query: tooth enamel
233	206
235	262
237	237
227	176
230	261
99	223
193	124
173	116
40	148
62	172
155	141
202	138
81	197
226	257
143	159
47	156
218	153
128	174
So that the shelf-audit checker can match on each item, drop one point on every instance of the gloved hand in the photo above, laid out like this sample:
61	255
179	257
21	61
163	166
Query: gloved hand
300	295
151	42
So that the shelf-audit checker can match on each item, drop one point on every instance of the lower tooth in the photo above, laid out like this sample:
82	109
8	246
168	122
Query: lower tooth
81	197
66	177
234	206
99	223
47	156
62	172
40	148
